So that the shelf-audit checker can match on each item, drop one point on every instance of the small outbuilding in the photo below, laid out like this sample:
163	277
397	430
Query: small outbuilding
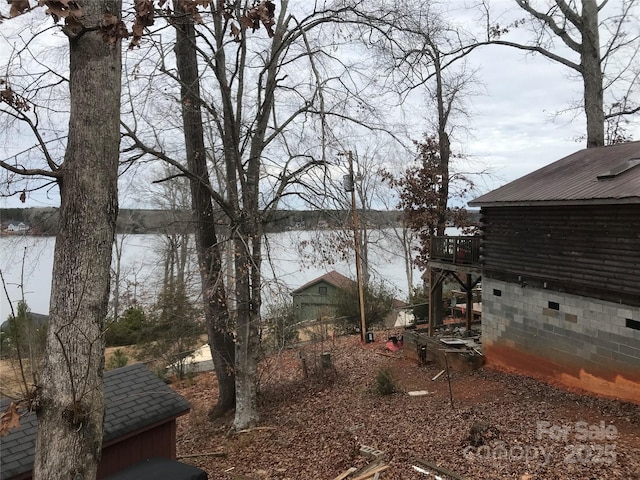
139	426
319	297
561	272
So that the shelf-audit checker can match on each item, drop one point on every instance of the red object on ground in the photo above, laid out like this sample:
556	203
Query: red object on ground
394	344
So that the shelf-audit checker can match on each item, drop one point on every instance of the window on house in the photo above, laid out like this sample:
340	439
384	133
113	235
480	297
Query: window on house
497	293
554	305
322	290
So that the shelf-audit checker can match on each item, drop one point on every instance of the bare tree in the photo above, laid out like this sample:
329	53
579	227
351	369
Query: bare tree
69	398
424	52
596	43
252	109
337	243
219	327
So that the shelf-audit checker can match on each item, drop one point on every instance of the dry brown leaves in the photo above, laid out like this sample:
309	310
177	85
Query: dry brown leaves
11	98
192	8
112	28
320	422
68	10
18	7
263	13
144	17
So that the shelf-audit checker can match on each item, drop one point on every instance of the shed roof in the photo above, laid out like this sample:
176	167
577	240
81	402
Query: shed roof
135	398
37	319
590	176
332	278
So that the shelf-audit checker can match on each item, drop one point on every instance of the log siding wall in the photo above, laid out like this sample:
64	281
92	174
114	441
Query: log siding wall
592	251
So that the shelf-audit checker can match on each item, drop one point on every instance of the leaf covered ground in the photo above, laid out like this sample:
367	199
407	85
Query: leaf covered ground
501	426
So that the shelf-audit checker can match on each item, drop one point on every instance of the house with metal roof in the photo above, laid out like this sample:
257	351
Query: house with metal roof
139	426
560	255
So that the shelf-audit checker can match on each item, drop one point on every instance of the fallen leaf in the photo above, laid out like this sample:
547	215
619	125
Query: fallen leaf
18	7
9	420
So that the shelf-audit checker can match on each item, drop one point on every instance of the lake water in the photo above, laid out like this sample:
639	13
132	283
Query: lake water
284	267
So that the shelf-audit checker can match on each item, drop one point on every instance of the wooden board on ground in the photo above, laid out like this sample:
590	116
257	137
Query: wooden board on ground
368	471
346	473
372	472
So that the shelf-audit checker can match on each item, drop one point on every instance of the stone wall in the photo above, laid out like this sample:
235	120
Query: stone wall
576	341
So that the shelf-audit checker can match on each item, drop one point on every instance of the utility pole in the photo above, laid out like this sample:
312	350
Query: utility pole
349	185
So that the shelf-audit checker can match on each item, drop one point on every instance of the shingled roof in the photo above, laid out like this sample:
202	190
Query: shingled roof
332	278
593	175
135	399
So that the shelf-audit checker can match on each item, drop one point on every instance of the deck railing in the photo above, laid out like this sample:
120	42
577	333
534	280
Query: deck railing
457	250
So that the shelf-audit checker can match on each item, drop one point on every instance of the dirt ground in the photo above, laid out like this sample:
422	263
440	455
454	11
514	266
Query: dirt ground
500	426
10	377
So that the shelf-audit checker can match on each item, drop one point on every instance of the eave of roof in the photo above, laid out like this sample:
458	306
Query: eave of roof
573	180
332	278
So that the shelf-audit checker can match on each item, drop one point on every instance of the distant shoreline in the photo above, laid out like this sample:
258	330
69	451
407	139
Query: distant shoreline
43	222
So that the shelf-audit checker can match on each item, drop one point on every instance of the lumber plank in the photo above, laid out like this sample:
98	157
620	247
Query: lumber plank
435	467
371	473
346	473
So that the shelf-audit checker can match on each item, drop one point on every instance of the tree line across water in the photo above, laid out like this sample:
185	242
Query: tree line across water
44	221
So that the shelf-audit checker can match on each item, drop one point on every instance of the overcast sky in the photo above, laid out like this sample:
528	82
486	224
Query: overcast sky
514	127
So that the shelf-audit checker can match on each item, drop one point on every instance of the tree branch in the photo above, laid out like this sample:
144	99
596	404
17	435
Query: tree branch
551	23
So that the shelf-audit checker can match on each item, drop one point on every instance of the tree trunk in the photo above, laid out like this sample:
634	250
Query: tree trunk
117	273
247	341
407	255
207	245
70	401
592	74
248	243
444	148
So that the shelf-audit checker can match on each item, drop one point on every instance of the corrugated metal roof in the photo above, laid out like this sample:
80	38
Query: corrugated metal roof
574	179
134	397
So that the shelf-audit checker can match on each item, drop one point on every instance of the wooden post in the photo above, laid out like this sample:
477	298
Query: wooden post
432	316
356	244
325	360
303	364
446	363
469	289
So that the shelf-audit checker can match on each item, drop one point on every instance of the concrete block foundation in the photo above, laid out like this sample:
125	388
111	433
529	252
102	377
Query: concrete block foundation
576	341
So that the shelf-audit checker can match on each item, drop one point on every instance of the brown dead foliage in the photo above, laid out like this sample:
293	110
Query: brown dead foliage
18	7
9	419
70	10
144	18
318	424
262	13
11	98
112	28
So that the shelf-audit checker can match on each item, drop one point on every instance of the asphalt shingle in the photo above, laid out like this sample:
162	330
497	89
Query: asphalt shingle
134	397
